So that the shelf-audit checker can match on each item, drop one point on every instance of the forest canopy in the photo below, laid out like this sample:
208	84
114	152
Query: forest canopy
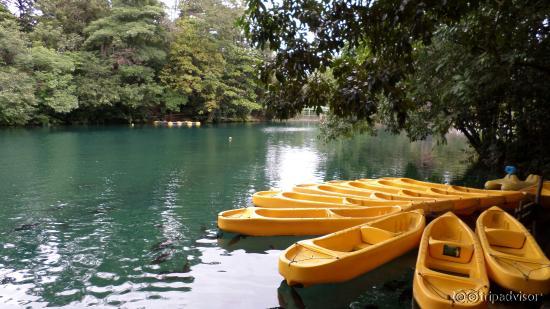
425	67
122	61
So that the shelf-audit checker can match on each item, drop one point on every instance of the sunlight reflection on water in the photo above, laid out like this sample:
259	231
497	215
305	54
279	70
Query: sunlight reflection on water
288	166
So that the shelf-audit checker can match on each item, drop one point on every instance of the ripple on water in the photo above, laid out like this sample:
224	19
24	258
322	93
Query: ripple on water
70	292
85	260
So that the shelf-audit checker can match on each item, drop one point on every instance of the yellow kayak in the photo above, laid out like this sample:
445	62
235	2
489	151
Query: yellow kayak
487	197
286	199
450	269
514	259
512	182
510	196
298	221
365	185
345	189
544	194
404	183
351	252
395	193
340	189
460	203
337	189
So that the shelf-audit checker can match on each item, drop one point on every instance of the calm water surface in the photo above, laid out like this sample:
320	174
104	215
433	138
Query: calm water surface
126	217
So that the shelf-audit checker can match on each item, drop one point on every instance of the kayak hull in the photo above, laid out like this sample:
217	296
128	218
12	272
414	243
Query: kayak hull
512	182
514	259
278	199
487	197
431	197
297	221
351	252
544	194
343	189
450	270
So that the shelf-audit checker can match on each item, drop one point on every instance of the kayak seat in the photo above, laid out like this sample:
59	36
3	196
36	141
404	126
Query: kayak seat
410	193
505	238
372	235
330	214
360	246
450	250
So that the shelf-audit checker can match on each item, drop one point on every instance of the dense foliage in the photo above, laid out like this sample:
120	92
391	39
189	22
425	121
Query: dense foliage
211	69
97	61
481	67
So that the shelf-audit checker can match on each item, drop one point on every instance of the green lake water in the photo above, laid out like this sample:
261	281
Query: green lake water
126	217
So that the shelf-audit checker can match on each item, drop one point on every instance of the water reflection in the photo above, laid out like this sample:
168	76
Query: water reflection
238	279
231	242
127	217
286	166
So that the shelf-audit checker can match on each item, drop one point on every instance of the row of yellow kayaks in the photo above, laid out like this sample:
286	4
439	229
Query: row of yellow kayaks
374	221
427	196
453	265
286	213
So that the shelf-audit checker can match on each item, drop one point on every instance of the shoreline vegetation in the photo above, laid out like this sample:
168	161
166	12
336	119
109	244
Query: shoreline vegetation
116	62
416	67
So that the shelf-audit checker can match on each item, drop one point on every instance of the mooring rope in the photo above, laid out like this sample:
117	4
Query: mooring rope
514	264
446	296
437	291
311	258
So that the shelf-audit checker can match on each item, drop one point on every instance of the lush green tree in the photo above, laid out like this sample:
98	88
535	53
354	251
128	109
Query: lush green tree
17	99
97	61
130	48
73	16
481	67
53	74
42	80
494	90
61	23
132	34
241	94
98	89
210	68
13	43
